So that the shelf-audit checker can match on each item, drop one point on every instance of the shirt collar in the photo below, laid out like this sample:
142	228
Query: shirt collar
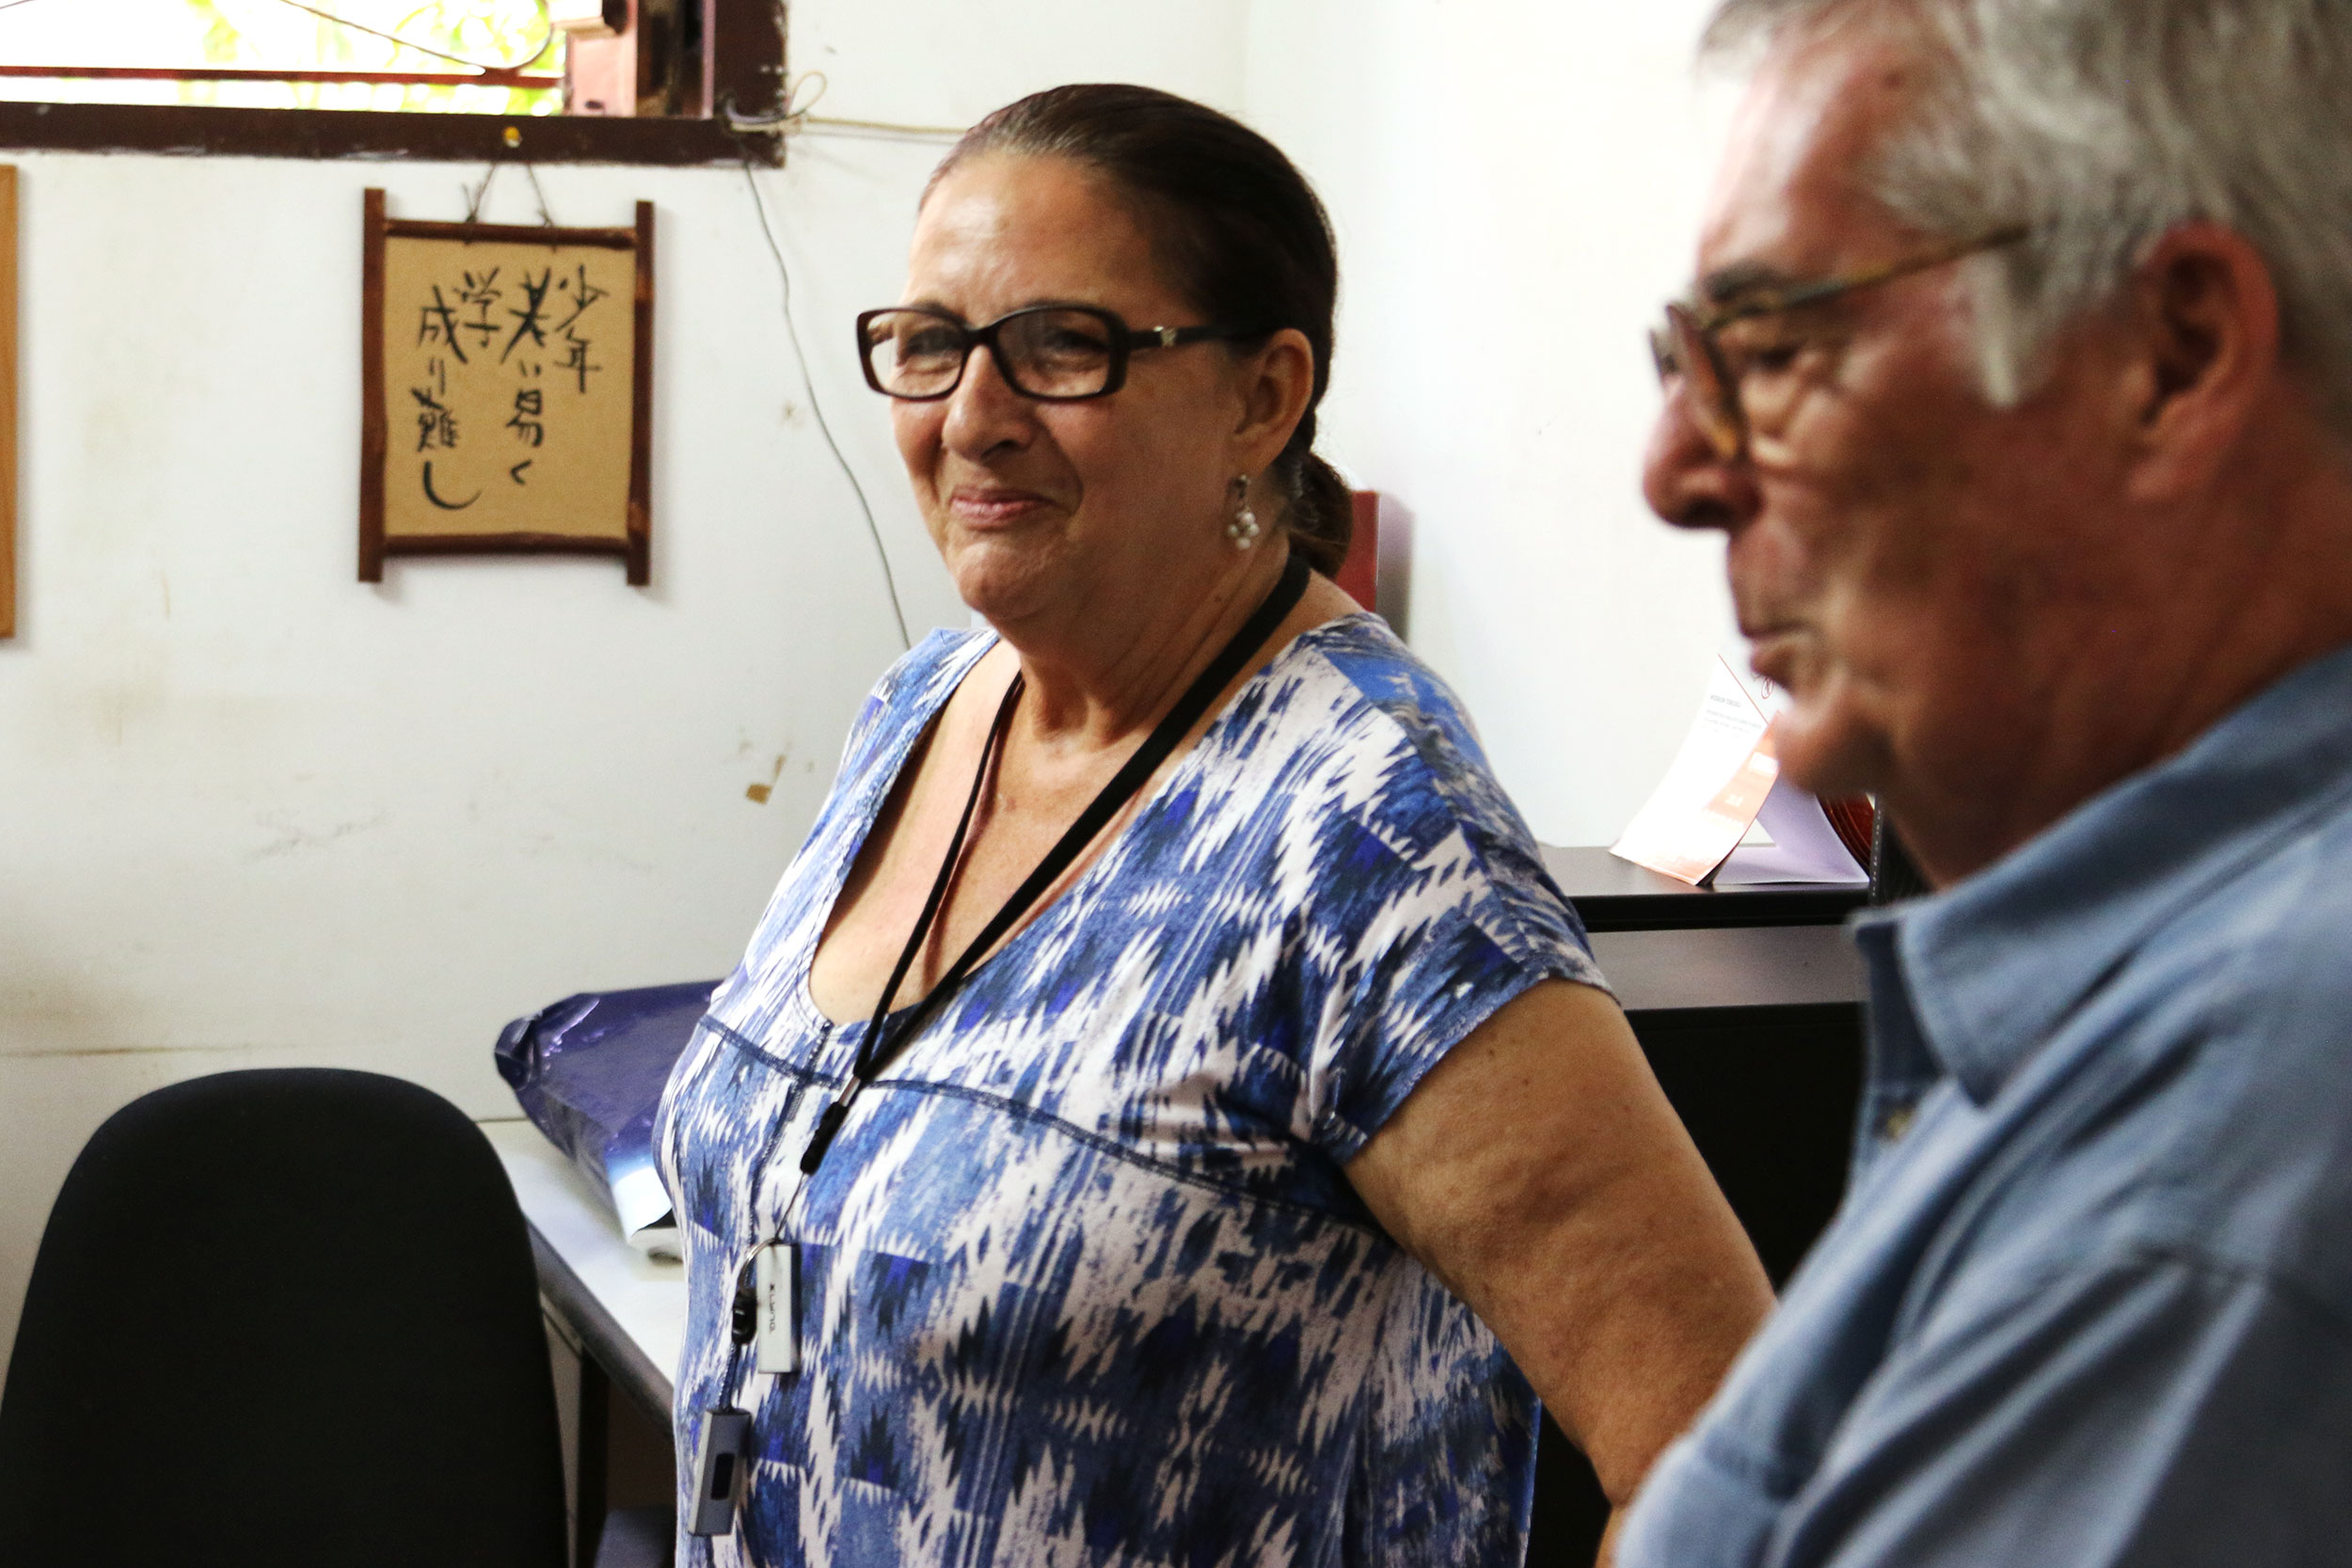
1991	965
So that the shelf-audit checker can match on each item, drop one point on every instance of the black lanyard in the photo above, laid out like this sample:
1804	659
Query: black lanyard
883	1043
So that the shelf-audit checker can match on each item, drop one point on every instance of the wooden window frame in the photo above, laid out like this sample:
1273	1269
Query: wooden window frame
8	401
742	69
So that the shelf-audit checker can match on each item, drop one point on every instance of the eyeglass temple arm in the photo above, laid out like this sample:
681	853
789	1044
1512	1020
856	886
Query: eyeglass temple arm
1808	294
1172	337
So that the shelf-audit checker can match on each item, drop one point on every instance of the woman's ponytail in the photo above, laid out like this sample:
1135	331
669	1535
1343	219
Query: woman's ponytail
1321	518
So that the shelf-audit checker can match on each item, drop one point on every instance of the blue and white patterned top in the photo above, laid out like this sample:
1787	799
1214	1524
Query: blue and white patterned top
1082	1282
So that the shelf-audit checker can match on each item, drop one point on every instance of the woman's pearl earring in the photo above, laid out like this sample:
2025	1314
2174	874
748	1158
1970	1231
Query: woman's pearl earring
1242	529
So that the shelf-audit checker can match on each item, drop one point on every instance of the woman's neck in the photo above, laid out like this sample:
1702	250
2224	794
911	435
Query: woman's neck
1097	682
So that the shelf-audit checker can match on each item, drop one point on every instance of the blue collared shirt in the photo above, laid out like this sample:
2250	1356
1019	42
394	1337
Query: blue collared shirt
2089	1300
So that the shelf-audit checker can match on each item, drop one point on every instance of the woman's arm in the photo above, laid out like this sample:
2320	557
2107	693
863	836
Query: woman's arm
1540	1173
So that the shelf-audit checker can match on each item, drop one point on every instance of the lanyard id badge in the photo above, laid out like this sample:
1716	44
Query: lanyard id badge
721	1455
776	1284
766	1312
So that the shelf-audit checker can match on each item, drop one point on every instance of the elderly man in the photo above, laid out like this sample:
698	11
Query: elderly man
2019	379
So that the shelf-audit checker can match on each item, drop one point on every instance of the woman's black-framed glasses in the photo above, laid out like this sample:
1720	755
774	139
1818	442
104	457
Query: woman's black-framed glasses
1052	353
1689	346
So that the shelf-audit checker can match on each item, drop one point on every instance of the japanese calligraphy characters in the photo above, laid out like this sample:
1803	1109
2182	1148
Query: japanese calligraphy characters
508	393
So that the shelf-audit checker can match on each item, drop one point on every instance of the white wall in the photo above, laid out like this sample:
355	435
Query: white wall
252	812
1516	186
255	813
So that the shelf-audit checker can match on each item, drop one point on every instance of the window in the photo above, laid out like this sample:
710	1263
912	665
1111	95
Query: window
618	80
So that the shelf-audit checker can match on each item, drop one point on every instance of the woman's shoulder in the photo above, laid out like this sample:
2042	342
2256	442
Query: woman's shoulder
1381	771
911	690
1381	739
1375	693
1362	650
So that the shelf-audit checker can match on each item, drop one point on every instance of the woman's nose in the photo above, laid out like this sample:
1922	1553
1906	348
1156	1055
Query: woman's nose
1687	481
984	413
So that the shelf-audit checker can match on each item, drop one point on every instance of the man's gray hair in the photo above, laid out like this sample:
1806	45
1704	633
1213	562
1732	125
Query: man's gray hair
2104	124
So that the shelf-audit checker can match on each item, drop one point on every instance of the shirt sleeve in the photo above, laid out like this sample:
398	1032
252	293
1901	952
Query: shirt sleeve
2156	1410
1426	936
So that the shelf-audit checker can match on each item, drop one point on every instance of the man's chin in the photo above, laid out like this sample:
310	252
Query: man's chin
1830	754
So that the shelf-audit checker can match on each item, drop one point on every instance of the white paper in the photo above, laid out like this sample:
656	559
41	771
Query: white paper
640	1201
1804	848
1711	793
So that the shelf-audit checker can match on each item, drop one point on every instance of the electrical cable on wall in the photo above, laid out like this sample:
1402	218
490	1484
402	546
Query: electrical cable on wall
808	381
796	118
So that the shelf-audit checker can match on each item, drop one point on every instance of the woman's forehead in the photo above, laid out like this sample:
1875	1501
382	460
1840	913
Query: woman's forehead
1001	232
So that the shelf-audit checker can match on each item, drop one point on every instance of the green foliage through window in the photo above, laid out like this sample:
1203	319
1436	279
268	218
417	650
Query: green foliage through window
443	38
268	34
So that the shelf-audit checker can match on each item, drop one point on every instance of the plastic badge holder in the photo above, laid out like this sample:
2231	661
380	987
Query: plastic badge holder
589	1071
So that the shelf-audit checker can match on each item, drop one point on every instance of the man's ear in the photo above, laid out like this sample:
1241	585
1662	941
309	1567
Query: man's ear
2202	313
1277	382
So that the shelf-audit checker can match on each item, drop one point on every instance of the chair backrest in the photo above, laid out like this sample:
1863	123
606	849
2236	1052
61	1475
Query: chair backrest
282	1317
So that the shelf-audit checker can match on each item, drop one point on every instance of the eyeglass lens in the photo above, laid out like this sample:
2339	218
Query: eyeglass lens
1044	353
1712	401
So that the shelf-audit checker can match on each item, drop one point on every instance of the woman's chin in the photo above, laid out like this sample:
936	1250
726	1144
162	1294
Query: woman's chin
1009	575
998	588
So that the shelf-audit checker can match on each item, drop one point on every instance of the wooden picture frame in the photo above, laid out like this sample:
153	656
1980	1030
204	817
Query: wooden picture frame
484	343
8	400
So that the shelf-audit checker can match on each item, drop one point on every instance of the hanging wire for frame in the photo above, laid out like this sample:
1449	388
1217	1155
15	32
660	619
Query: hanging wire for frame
476	193
808	381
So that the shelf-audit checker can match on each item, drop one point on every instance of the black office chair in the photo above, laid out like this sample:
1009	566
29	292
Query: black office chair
284	1317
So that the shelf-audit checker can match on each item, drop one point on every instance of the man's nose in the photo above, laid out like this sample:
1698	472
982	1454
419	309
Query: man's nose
1687	481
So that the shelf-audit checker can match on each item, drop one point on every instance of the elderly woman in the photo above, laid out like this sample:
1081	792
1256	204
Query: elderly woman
1166	1114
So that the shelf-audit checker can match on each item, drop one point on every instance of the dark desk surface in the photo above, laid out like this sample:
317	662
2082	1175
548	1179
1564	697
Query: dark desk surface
1739	967
1618	895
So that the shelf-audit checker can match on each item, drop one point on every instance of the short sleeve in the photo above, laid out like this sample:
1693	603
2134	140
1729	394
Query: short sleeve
1435	913
2155	1411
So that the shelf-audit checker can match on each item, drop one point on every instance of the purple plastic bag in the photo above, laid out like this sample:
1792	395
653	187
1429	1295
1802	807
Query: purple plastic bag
589	1070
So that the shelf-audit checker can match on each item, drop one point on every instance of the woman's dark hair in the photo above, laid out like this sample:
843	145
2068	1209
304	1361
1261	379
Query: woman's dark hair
1239	229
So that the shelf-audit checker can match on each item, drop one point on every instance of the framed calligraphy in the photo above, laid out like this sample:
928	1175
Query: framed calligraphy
507	390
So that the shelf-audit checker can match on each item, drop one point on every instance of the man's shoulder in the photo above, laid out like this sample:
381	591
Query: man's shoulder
2266	954
2210	1116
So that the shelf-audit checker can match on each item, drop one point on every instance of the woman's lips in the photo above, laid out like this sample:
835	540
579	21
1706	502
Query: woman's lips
986	509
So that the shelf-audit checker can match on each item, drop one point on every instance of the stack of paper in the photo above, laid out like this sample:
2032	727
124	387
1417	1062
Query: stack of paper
1724	815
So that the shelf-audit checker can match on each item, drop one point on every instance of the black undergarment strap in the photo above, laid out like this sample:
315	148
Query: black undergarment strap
883	1043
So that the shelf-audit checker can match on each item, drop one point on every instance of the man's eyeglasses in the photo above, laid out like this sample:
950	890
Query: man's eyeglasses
1691	346
1052	353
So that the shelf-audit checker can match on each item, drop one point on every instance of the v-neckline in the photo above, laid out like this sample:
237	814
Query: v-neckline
887	783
